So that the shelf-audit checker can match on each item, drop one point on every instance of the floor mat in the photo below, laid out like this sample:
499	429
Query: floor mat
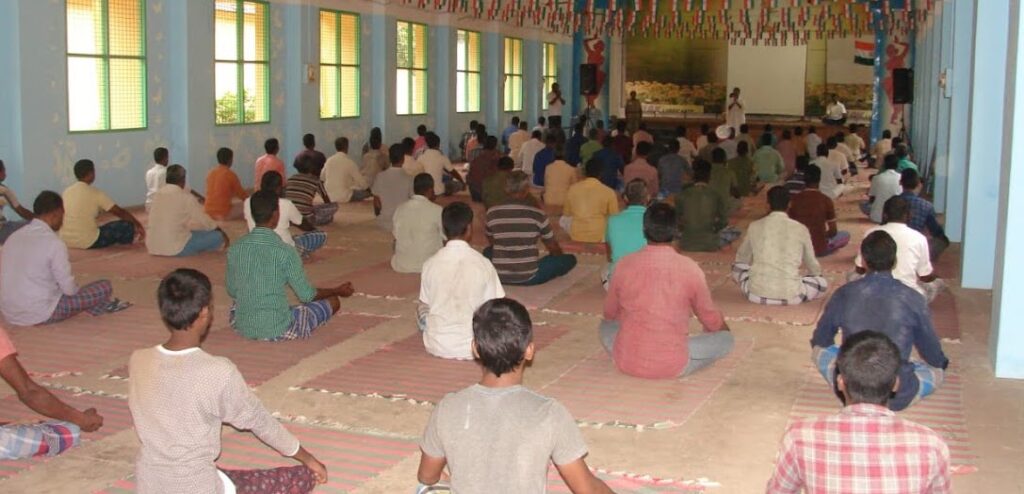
629	484
138	264
946	316
943	411
116	418
404	370
586	300
351	459
596	393
259	361
735	307
380	280
536	297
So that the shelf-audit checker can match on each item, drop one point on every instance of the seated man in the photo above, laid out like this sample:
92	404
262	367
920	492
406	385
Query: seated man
626	230
768	163
304	187
391	188
817	212
260	265
222	185
588	206
179	397
341	176
36	284
410	165
445	311
513	229
642	169
883	186
835	112
178	226
724	181
831	172
542	159
417	227
903	155
768	263
558	178
306	242
650	300
742	167
922	214
797	182
591	147
156	175
484	165
46	438
447	179
879	302
612	164
269	162
673	170
84	204
913	263
8	198
316	158
866	444
521	431
703	214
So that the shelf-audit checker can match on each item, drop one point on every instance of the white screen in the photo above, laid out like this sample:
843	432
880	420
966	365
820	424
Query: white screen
771	78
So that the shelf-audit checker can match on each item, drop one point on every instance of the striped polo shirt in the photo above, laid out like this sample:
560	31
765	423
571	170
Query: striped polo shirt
301	190
514	228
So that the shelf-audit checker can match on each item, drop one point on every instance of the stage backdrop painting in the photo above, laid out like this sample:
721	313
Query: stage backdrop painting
677	75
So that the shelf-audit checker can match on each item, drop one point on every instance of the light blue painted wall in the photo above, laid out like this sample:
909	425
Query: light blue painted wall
984	155
10	95
959	116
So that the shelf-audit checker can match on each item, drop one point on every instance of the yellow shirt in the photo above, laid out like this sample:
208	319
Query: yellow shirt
558	177
590	203
83	203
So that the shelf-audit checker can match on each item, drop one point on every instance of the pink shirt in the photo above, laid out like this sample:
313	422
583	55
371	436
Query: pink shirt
267	163
652	296
787	149
643	170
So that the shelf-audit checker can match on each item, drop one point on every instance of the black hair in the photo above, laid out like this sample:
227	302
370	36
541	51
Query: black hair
744	128
375	141
886	134
812	175
680	131
537	135
473	124
523	125
225	155
660	223
47	201
515	120
309	140
879	251
891	162
786	134
718	155
766	138
421	129
501	332
701	171
822	150
673	146
541	120
433	140
742	148
271	180
643	148
778	198
551	139
832	142
506	163
83	168
408	144
900	150
271	146
2	166
160	154
620	125
802	162
491	142
396	154
422	183
456	218
705	128
798	131
175	174
262	205
869	362
341	144
182	296
909	179
895	208
593	168
303	163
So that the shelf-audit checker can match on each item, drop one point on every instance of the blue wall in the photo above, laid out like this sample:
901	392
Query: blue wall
39	151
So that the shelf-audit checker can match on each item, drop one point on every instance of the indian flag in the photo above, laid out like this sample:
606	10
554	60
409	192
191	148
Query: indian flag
863	52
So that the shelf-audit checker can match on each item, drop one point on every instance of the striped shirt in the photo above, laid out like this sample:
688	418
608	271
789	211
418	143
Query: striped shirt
301	190
260	265
514	228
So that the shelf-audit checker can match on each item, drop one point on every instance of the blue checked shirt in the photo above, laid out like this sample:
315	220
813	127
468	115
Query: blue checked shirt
922	215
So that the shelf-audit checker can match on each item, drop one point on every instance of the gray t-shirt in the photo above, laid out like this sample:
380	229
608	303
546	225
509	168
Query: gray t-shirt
393	186
501	440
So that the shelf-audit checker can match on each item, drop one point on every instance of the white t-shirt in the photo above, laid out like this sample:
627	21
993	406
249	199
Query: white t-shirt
7	197
554	109
686	149
436	164
912	255
830	174
813	141
883	186
527	153
156	177
290	215
455	282
835	111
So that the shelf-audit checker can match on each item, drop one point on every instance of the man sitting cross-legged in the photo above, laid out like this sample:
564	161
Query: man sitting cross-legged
222	188
303	187
498	436
417	227
650	300
84	203
306	242
47	438
179	397
865	448
588	205
513	228
816	211
767	265
922	214
260	265
341	176
36	284
455	281
626	230
703	214
178	225
882	303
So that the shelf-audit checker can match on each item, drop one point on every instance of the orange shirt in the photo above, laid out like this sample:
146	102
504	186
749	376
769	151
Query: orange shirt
221	185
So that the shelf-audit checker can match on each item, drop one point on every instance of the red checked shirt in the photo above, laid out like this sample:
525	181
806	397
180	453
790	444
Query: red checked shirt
864	449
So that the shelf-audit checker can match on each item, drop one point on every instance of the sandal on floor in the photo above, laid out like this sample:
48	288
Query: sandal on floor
117	305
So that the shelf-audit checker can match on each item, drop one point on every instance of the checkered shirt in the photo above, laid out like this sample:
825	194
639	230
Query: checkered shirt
922	215
864	449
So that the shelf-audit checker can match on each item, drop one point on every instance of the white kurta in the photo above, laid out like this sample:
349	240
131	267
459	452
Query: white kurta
737	115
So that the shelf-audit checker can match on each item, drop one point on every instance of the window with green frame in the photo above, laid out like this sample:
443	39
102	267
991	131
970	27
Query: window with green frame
467	71
411	69
339	64
106	56
550	70
513	74
241	61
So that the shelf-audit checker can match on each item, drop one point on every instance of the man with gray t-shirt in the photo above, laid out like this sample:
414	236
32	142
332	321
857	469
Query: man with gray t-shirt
497	436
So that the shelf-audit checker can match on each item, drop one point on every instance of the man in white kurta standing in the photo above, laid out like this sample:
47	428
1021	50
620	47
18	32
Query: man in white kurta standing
555	103
735	110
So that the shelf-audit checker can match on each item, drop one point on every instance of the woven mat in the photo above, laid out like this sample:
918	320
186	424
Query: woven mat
138	264
946	316
596	393
735	307
259	361
404	370
380	280
538	296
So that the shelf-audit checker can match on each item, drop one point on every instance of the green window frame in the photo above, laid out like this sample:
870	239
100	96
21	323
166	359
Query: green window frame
339	64
411	74
513	74
241	62
467	71
549	67
106	65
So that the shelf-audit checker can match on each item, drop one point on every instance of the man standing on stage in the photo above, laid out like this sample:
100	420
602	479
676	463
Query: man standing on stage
634	113
555	102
